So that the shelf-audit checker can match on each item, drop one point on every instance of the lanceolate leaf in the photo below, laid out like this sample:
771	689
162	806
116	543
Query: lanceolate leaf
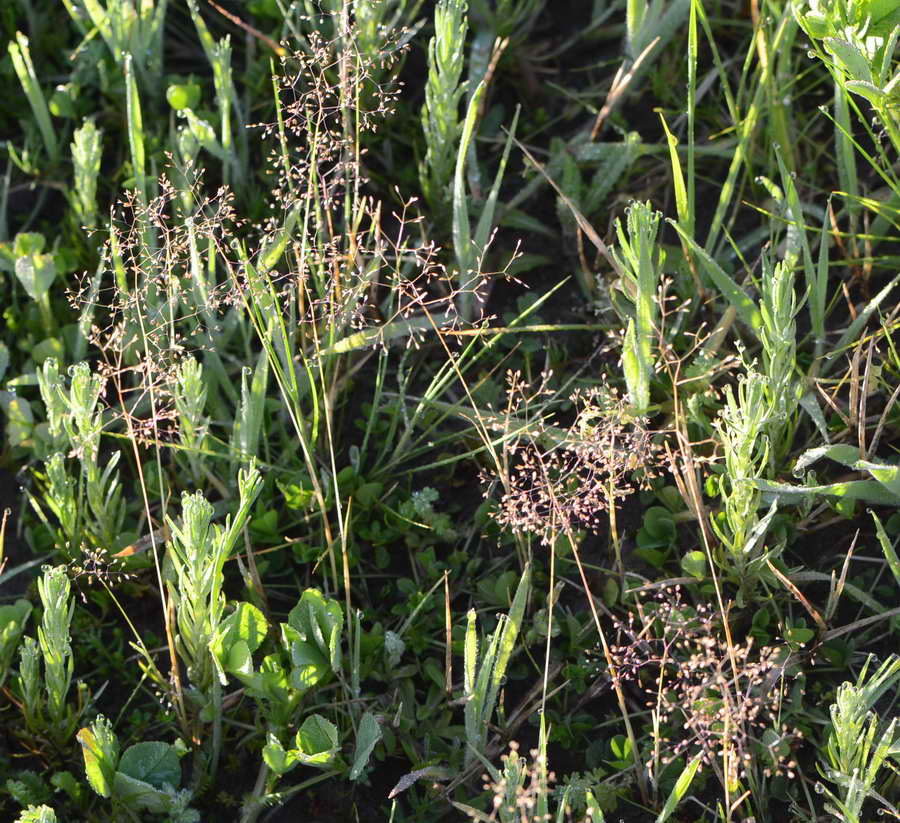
887	546
839	452
635	367
101	755
466	258
367	737
869	491
887	474
884	473
483	681
679	790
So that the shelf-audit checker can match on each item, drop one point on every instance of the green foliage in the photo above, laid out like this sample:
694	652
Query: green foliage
20	53
444	89
742	427
856	41
199	551
778	335
37	814
53	636
144	778
522	791
316	745
12	627
882	487
679	790
128	29
44	689
484	674
254	401
86	154
640	262
647	20
858	744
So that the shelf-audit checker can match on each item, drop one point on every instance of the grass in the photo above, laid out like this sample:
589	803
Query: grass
449	410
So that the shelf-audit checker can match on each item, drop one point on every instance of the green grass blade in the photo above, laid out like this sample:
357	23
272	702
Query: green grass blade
848	176
102	21
470	662
206	39
679	790
745	132
20	54
849	337
486	220
868	491
746	309
818	293
692	59
887	547
136	131
510	633
682	200
483	687
462	239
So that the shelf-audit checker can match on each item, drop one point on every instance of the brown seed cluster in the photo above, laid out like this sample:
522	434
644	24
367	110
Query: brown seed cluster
348	265
96	565
561	480
723	705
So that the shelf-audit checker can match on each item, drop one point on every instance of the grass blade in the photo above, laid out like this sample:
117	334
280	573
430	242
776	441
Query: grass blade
466	259
853	330
20	54
746	308
679	790
136	131
887	547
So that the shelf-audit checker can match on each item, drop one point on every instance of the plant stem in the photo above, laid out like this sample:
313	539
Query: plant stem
253	805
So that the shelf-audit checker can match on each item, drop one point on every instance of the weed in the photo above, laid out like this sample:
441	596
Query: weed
253	409
721	705
563	479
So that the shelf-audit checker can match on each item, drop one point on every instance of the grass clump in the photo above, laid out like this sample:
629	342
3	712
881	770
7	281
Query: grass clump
390	389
